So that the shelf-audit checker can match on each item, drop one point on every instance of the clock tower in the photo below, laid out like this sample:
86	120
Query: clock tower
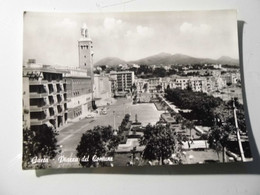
85	48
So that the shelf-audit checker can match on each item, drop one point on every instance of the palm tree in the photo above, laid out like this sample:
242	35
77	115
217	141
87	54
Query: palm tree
145	87
158	88
218	138
190	125
178	118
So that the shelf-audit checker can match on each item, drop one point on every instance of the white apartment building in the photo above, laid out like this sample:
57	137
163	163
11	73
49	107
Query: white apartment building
124	80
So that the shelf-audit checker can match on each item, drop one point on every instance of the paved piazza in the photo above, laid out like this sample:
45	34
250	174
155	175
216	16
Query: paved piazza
69	136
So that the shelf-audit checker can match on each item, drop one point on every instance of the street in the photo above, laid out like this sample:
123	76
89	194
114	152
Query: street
69	137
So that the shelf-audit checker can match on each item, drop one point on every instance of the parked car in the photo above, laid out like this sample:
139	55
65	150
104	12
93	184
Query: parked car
104	112
95	111
90	116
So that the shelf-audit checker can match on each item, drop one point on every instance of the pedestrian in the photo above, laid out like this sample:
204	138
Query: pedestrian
192	140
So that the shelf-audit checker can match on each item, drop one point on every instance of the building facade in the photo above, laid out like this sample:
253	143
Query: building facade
44	97
79	90
102	90
124	80
61	93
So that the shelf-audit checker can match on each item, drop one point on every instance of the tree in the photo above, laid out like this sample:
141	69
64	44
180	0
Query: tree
39	143
158	88
159	72
99	141
160	143
94	106
124	123
201	104
189	125
178	118
145	87
133	88
171	112
218	139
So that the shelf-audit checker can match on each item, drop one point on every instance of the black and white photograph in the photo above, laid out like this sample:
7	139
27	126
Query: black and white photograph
115	89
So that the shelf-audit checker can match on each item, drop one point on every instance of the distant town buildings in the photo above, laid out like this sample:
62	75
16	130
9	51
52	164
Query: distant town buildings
198	84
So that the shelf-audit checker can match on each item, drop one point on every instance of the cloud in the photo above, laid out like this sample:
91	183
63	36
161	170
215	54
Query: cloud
68	23
144	31
112	23
140	31
198	29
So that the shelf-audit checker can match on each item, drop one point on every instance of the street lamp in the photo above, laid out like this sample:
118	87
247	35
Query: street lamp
114	119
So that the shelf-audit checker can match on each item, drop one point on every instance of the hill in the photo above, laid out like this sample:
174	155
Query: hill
166	59
110	61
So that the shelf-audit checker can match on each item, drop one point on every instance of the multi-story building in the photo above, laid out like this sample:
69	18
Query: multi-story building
124	80
231	78
102	90
181	83
44	97
113	82
198	84
140	83
79	90
26	102
215	83
60	93
153	83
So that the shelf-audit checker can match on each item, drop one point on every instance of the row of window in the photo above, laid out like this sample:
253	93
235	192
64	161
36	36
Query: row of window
81	91
77	112
85	46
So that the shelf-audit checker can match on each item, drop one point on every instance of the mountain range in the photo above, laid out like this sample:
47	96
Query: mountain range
166	59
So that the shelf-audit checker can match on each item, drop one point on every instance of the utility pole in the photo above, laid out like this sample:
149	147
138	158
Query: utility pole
238	134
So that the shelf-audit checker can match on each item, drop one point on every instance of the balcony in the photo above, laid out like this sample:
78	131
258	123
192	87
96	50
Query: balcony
59	88
38	95
60	109
38	91
47	81
60	100
38	121
36	108
38	118
38	82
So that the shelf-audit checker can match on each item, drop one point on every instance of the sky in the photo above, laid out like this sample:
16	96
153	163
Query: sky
52	38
